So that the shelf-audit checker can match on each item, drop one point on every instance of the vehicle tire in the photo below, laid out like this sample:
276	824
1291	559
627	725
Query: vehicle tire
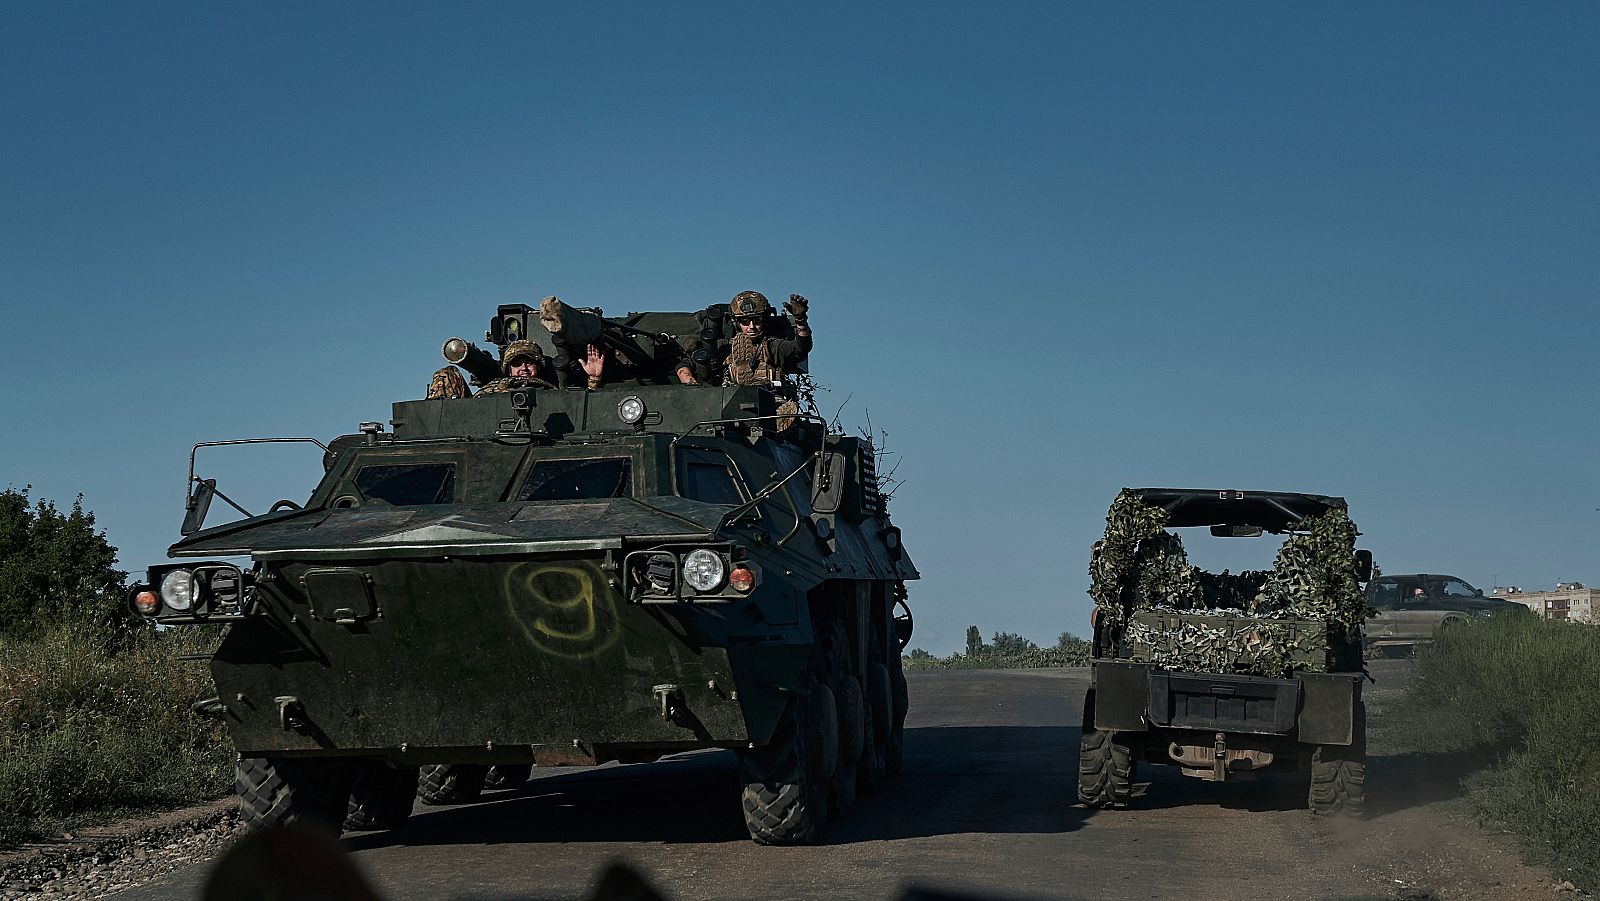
381	796
785	784
824	718
880	715
852	743
276	792
897	735
1339	772
450	783
1105	765
504	776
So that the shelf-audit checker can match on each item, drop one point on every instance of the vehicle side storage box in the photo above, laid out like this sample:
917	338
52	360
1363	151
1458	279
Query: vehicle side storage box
1223	703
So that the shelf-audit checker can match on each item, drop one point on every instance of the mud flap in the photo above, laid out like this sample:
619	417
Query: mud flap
1121	691
1327	711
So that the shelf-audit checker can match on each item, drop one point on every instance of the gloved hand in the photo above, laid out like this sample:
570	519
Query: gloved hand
797	307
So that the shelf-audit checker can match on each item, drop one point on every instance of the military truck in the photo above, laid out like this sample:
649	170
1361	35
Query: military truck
556	576
1409	610
1226	675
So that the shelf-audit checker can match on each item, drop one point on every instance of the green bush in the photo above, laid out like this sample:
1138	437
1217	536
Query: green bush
94	723
1008	652
1522	694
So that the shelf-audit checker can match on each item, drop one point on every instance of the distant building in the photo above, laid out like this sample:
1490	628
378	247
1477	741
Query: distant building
1570	601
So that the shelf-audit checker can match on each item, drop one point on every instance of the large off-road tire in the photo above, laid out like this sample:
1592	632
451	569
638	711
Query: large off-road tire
897	735
1105	765
785	782
880	716
381	796
276	792
852	744
1339	772
450	783
504	776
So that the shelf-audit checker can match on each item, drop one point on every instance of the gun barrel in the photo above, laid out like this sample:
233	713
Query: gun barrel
478	363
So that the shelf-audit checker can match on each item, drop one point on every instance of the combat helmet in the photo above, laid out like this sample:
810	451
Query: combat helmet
749	303
520	349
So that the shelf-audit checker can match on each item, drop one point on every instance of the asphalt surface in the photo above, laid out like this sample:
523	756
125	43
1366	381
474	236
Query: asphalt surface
985	809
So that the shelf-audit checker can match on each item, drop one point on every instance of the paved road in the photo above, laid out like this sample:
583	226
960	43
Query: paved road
985	809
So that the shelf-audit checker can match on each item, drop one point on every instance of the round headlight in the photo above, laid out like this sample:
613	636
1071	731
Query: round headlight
178	589
631	410
703	570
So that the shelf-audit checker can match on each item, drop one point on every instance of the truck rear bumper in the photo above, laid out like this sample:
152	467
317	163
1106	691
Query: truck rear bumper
1314	708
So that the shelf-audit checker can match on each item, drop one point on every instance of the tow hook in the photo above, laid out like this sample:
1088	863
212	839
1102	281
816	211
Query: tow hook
1219	766
211	707
668	696
291	713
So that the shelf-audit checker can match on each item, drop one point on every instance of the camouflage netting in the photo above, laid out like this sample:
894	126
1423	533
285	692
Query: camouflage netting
1314	575
1250	618
1228	645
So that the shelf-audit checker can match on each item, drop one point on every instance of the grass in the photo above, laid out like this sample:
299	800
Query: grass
1520	696
92	728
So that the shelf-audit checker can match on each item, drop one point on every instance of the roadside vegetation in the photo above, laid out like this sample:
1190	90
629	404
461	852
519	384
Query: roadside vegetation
95	716
1006	650
1518	699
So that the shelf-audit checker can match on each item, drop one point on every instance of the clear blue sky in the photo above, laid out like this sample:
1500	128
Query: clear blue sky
1053	249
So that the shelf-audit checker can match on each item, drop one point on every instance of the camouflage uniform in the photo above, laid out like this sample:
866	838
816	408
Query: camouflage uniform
767	359
448	383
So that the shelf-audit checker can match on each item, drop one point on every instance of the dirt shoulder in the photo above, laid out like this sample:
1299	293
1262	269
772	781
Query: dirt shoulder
103	860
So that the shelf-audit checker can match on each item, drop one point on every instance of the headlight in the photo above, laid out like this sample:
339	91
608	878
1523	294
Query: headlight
630	410
703	570
178	589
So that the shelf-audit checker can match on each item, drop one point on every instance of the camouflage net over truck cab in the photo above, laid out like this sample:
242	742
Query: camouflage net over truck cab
1304	614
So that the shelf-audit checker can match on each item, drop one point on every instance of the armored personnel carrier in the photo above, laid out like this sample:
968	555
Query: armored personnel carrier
554	576
1226	675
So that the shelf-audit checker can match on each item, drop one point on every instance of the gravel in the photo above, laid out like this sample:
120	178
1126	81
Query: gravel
99	863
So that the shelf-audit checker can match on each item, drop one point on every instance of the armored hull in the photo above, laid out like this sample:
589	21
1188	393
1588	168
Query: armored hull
554	576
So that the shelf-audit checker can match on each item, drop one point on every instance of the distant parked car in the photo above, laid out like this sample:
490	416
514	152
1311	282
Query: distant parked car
1412	608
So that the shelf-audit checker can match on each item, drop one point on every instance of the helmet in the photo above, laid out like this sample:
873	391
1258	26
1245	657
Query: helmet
749	303
520	349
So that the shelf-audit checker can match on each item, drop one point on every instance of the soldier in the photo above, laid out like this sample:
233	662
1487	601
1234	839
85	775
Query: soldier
755	357
448	383
525	366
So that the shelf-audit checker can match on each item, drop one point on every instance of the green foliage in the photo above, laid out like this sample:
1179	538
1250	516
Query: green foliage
974	642
1518	694
90	727
1010	644
1009	651
54	566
